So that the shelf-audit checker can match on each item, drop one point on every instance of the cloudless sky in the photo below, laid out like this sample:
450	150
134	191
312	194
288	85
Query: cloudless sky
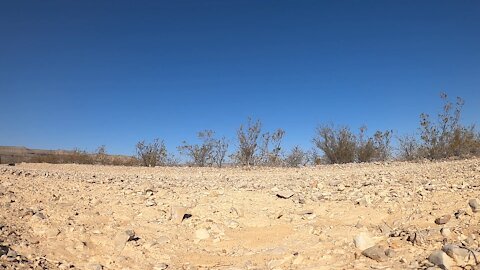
86	73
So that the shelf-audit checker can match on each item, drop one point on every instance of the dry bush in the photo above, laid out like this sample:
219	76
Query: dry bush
220	151
341	145
408	148
78	156
447	137
247	143
296	158
271	150
152	154
101	155
338	145
255	148
209	152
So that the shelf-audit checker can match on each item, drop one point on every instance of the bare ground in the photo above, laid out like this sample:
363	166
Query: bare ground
103	217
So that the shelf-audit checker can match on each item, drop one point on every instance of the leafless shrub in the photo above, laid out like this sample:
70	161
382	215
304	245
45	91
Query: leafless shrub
209	152
152	154
270	150
200	154
408	147
220	151
382	143
365	147
296	158
247	142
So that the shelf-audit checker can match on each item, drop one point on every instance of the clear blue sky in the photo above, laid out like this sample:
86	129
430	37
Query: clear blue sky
86	73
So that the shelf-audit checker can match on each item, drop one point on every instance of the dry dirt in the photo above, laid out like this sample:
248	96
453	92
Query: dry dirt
103	217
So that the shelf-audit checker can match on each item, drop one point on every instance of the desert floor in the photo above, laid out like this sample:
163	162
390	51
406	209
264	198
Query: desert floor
324	217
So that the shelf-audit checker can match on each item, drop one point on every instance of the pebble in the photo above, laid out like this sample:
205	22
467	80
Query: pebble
473	203
443	219
95	266
161	266
446	232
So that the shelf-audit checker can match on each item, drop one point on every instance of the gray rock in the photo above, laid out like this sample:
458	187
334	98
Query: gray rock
459	254
474	205
441	259
3	250
376	253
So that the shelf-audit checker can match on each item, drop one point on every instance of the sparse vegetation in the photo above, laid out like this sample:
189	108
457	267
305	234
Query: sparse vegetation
296	158
271	150
341	145
152	154
439	138
247	142
338	144
447	137
209	152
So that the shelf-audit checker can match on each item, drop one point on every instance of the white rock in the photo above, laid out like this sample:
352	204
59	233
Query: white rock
363	241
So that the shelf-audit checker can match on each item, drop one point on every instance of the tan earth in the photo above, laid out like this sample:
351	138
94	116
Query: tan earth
324	217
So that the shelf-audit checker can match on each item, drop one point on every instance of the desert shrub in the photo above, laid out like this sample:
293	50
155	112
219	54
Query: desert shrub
341	145
220	151
337	144
200	154
101	156
447	137
296	157
255	148
365	151
408	147
247	142
209	152
271	150
152	154
77	156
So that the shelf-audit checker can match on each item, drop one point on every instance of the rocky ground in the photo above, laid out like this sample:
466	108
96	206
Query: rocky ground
358	216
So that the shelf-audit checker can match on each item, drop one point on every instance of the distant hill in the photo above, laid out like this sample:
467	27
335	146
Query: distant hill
16	154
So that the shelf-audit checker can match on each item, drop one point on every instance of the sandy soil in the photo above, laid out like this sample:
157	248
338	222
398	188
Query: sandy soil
103	217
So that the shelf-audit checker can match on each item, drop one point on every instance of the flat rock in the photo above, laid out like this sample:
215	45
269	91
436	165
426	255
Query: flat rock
122	238
441	259
177	213
363	241
376	253
202	234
